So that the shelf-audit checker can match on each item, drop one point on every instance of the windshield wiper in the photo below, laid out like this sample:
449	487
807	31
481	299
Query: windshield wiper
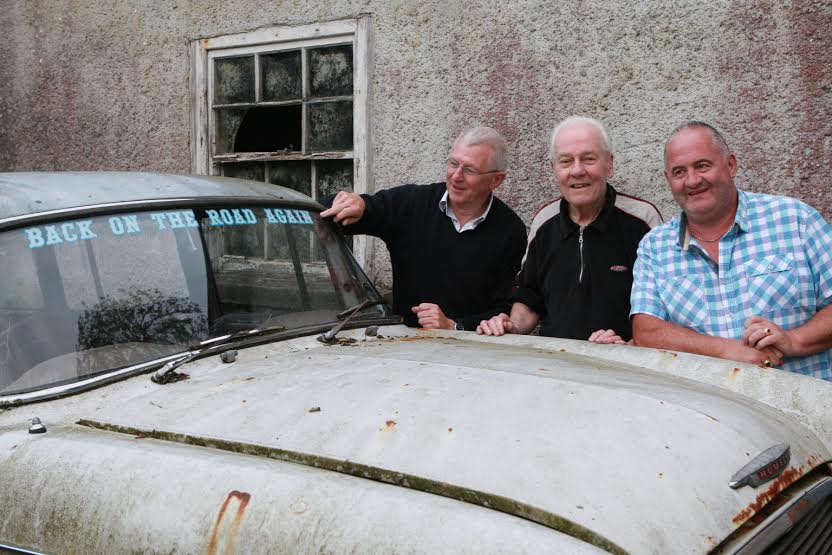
347	315
165	373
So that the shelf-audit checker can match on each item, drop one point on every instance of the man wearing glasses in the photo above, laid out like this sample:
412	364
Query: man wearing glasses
454	247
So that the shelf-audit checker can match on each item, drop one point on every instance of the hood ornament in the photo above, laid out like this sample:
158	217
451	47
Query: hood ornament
764	467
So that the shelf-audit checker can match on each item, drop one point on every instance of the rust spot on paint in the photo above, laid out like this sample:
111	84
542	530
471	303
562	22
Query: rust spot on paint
390	424
450	430
415	338
790	476
732	375
242	498
315	409
205	43
248	379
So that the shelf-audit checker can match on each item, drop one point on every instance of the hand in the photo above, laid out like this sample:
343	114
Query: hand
496	325
761	333
347	208
766	357
431	317
607	336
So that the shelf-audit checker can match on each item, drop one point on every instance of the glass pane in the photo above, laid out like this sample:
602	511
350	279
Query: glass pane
294	175
234	80
281	76
271	129
330	126
330	71
255	171
227	123
332	176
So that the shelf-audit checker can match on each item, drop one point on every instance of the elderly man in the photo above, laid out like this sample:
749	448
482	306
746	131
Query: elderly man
736	275
454	247
577	273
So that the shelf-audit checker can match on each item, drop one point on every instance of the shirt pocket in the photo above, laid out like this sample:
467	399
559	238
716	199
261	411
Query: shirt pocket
685	300
772	283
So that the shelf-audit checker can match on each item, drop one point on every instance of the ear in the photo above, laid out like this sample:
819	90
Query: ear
498	180
732	164
609	172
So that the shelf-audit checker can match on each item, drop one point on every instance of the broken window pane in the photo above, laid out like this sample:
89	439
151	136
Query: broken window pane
227	123
330	71
332	176
270	129
294	175
234	80
330	126
254	171
281	76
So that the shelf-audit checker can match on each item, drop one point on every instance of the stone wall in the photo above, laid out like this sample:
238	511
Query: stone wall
104	85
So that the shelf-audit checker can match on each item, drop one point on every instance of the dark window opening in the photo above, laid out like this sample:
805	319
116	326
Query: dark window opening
270	129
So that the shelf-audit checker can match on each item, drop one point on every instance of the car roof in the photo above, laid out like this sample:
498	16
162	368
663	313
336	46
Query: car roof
43	192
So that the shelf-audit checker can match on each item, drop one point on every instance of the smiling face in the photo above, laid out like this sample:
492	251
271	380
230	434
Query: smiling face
470	177
701	173
582	166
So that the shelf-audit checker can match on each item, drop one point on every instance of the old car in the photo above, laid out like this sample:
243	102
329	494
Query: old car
198	365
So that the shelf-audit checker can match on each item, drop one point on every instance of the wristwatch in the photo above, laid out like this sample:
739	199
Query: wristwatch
458	326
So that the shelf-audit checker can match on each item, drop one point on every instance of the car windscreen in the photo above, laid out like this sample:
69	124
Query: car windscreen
89	295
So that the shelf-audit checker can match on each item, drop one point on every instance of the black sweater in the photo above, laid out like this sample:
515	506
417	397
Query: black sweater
469	274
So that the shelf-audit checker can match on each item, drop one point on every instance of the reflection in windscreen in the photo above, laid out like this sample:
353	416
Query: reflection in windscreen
91	295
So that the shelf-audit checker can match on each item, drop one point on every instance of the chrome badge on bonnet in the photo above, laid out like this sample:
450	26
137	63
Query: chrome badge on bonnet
764	467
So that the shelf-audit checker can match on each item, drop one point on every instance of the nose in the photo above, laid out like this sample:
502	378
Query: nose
692	178
577	168
456	174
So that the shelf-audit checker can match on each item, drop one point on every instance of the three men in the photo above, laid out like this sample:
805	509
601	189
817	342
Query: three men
454	247
736	275
577	273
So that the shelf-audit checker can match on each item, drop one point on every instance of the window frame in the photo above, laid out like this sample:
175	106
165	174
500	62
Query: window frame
355	31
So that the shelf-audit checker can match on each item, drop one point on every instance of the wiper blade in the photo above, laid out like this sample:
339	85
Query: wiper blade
347	315
164	374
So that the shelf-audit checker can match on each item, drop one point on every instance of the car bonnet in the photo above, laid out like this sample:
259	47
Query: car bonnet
641	458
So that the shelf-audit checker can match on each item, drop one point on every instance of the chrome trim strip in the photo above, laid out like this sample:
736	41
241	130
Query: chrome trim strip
14	549
784	519
89	383
195	202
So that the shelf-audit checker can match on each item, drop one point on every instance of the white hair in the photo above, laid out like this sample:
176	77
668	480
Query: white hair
491	137
572	121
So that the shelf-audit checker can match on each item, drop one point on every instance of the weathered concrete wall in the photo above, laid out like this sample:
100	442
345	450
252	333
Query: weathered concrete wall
94	85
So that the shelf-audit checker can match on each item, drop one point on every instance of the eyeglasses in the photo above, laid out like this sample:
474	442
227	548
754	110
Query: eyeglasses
468	171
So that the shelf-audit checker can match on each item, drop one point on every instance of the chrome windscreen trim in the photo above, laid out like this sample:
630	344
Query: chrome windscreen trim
82	385
4	547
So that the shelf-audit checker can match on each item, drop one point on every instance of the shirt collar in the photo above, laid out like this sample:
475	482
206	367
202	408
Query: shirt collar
446	208
741	221
567	226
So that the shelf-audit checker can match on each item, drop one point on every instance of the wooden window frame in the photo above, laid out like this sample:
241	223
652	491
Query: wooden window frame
356	31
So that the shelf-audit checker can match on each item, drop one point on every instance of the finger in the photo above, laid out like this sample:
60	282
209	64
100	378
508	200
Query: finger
481	328
594	335
414	309
496	326
754	320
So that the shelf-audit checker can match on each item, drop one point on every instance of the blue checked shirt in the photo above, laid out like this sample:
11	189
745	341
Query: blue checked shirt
776	262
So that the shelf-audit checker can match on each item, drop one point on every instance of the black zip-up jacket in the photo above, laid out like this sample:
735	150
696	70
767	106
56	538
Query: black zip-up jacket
579	280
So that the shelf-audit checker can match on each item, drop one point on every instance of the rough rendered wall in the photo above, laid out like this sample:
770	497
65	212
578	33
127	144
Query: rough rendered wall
93	85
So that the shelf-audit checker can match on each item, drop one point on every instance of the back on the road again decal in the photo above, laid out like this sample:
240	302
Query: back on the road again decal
129	224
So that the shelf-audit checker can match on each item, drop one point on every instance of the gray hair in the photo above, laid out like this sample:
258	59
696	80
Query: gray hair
490	137
716	137
572	121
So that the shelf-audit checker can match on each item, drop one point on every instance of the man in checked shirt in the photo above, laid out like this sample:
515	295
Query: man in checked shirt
736	275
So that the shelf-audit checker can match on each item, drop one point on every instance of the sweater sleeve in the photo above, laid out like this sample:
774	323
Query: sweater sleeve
384	212
510	256
527	288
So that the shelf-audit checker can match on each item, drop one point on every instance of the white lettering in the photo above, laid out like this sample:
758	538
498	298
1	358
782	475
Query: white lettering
214	217
66	231
116	226
159	218
84	229
35	237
